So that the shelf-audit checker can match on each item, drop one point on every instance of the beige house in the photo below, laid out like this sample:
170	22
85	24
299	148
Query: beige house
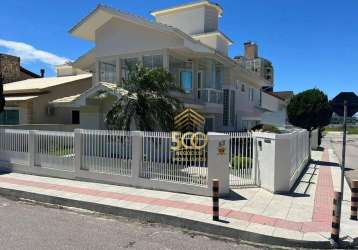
186	41
28	101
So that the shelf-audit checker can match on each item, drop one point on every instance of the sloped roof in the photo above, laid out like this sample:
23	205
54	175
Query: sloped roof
40	84
20	98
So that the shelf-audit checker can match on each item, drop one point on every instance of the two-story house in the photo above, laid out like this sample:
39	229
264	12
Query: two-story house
186	41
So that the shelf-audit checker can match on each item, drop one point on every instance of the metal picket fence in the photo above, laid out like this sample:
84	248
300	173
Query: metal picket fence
108	152
161	162
242	162
14	145
55	150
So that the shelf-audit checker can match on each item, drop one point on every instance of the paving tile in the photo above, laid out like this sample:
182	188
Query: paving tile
260	229
288	234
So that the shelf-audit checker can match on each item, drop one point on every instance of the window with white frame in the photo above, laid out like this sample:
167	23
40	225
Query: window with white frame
128	65
153	61
108	72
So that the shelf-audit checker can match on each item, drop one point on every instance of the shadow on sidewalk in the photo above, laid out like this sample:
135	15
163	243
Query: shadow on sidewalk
233	196
326	163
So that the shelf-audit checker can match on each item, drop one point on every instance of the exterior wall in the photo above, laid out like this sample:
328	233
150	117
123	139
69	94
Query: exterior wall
61	115
190	21
9	68
216	43
211	19
119	38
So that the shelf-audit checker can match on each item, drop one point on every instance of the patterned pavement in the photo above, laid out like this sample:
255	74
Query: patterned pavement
304	214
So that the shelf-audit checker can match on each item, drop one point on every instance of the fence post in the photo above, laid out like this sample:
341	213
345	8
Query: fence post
32	146
354	200
335	217
255	160
78	150
218	161
137	153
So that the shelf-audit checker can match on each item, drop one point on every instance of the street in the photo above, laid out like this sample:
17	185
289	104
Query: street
26	225
351	153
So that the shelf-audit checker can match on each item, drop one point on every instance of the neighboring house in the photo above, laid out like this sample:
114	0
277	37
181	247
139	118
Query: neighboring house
261	66
11	70
337	120
27	101
186	41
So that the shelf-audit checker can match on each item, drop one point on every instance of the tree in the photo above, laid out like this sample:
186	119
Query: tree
309	109
2	99
145	102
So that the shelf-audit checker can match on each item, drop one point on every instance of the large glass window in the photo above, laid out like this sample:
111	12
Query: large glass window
10	117
108	71
153	62
186	80
128	65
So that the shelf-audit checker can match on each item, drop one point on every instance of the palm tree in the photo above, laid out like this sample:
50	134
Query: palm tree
145	101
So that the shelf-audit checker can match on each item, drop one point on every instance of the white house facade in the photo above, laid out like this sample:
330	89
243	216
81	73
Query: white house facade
186	41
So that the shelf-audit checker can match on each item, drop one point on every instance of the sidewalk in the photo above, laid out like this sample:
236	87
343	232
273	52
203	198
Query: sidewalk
251	214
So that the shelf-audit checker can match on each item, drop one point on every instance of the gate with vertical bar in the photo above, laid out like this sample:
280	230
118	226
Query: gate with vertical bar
243	169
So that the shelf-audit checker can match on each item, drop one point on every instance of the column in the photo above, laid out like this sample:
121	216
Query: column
137	153
78	150
218	161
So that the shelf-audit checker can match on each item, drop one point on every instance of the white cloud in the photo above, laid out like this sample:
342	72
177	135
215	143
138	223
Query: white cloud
28	53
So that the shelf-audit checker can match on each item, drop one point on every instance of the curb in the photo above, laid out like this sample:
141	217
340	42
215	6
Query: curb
203	227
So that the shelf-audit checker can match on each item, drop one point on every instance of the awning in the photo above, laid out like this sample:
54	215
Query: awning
80	99
19	98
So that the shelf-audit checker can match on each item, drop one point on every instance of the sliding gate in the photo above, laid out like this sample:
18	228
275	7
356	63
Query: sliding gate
242	164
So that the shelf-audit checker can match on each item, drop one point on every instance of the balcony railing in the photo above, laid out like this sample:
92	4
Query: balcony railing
209	95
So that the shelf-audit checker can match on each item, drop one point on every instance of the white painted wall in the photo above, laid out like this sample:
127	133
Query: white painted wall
119	37
281	159
192	21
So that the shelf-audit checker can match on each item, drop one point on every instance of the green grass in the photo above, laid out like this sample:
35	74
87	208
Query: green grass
350	130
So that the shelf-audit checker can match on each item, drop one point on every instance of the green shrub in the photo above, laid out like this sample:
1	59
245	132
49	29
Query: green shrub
240	162
266	128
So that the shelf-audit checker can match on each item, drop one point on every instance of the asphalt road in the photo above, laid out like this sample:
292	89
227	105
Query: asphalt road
351	152
28	225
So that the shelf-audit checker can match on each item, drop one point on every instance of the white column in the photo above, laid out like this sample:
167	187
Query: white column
218	161
118	71
78	150
165	59
97	72
32	144
137	153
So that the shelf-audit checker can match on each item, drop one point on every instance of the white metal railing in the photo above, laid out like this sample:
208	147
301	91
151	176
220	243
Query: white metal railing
54	150
107	152
14	145
160	162
241	156
299	151
210	95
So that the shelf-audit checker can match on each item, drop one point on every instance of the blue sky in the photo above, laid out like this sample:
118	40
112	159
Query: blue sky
312	43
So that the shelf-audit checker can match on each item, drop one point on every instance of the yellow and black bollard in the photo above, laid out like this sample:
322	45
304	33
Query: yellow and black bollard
216	200
335	217
354	200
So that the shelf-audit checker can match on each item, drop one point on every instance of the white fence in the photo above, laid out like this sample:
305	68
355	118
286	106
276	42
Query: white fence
281	159
242	159
142	159
148	160
107	152
161	163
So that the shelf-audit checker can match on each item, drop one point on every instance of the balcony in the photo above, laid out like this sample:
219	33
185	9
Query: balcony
209	95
